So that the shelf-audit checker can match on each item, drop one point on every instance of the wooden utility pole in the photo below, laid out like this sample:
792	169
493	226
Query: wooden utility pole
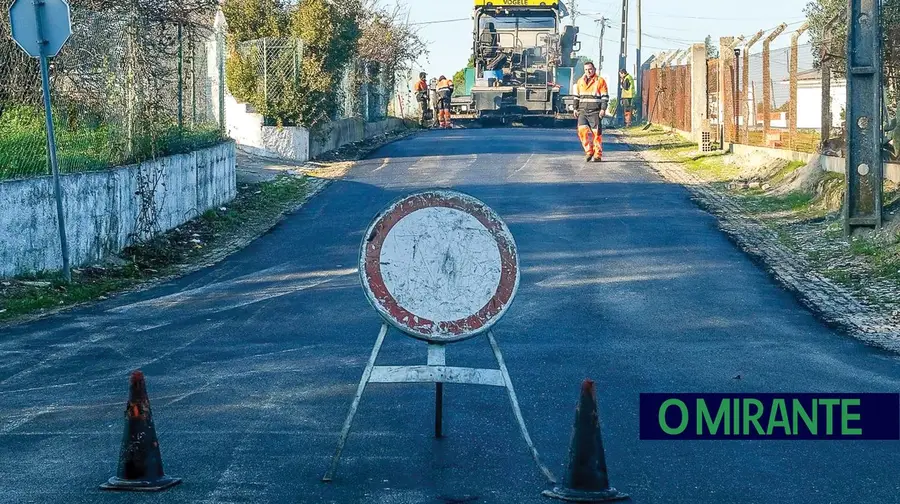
639	79
623	62
602	22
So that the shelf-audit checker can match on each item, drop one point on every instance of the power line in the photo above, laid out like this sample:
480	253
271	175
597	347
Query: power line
421	23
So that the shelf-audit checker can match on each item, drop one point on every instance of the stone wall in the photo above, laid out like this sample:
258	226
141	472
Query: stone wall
105	210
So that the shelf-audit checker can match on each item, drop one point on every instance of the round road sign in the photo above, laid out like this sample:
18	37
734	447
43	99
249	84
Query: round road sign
439	265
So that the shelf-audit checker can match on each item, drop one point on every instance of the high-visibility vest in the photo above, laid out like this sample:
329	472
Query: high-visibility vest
591	93
445	85
421	85
628	86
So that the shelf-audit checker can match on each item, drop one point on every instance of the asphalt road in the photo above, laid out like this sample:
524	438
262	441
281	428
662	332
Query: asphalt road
252	364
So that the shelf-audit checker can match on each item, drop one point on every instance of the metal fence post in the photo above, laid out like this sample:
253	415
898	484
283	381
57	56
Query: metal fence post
220	64
180	92
193	71
265	76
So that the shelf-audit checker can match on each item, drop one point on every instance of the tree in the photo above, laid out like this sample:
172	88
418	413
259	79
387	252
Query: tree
389	43
253	19
828	34
344	44
712	52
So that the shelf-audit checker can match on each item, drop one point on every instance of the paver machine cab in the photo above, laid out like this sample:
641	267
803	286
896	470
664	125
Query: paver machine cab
524	61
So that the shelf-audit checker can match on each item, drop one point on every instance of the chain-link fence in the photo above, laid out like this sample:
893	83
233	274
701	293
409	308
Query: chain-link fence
127	87
268	75
272	70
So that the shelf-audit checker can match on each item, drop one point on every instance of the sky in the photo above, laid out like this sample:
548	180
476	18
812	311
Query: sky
666	25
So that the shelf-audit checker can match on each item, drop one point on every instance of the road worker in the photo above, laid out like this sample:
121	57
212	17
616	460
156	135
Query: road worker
421	90
627	83
435	103
591	100
445	93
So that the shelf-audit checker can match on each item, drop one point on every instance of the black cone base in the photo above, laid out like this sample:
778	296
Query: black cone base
116	483
567	494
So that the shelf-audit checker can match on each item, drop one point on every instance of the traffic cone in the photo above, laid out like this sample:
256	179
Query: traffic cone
586	479
140	463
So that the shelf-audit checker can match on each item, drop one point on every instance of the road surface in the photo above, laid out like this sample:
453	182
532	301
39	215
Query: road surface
252	364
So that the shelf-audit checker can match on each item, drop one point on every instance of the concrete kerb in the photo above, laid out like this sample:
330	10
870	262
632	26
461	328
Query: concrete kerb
832	304
216	257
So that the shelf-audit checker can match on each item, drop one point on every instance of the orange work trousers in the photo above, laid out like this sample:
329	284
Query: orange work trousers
589	125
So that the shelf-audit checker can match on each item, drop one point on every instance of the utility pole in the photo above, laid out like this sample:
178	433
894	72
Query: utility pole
864	170
639	79
602	22
623	61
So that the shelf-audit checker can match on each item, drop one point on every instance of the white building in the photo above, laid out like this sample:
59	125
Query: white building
809	99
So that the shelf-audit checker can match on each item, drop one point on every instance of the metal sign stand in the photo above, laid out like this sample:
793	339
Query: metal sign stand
441	267
437	372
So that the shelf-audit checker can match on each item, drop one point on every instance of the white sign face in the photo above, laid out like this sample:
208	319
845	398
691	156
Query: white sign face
56	26
439	266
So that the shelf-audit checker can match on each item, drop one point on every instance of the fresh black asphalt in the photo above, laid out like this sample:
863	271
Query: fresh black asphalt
252	364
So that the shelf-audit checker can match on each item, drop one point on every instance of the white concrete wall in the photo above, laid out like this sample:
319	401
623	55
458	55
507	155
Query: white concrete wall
296	143
101	209
827	163
242	124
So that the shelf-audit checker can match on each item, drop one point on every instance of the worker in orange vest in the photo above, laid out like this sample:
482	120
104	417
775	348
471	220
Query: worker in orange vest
421	90
591	100
445	93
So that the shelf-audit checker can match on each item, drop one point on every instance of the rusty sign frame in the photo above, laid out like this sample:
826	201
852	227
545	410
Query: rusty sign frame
436	334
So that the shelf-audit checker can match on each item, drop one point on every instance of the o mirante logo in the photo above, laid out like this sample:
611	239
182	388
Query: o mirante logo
770	416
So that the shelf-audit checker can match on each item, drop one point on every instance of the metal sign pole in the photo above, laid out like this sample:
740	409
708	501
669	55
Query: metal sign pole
51	138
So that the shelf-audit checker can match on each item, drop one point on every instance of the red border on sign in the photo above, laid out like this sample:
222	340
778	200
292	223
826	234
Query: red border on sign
418	325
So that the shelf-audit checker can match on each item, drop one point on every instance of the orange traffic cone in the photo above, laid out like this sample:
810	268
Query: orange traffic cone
140	463
586	479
